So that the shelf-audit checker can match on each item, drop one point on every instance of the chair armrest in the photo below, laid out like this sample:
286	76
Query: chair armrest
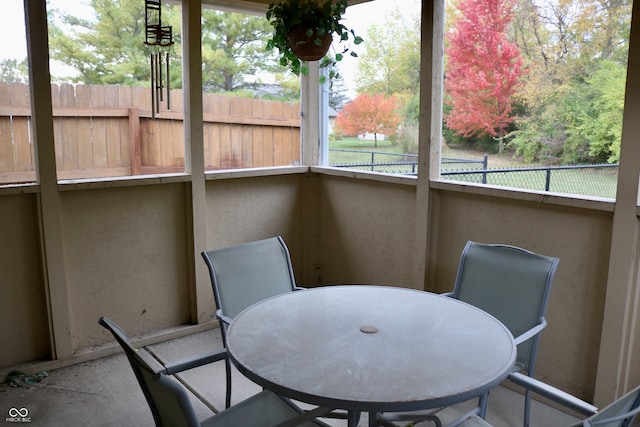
531	332
194	362
226	319
616	418
553	393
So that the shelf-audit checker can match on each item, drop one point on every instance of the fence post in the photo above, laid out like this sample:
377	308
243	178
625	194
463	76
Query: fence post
485	162
134	141
547	184
373	156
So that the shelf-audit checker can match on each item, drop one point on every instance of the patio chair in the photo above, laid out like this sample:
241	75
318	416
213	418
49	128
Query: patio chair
513	285
171	406
245	274
620	413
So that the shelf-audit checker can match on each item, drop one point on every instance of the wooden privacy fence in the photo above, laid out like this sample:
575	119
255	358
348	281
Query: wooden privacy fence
108	131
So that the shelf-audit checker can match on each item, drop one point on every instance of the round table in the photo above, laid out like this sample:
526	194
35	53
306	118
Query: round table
371	348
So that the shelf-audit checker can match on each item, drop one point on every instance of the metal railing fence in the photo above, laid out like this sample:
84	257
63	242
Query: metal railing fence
589	180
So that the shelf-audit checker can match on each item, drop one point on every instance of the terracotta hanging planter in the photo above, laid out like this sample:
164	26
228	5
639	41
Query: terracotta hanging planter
308	48
292	19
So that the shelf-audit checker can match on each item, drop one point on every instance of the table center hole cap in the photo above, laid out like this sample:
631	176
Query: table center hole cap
367	329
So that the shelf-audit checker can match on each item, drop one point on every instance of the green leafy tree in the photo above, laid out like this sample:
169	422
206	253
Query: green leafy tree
108	48
233	51
12	71
597	124
569	114
290	85
337	89
390	64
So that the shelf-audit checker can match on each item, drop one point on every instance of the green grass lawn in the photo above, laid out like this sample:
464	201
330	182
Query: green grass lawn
341	157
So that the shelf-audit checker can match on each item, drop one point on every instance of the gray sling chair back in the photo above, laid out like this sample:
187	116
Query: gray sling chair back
620	413
245	274
171	406
513	285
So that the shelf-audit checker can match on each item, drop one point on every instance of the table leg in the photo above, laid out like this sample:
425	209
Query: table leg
373	417
352	418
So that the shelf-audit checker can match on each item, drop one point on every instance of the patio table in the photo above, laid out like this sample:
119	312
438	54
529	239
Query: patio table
371	348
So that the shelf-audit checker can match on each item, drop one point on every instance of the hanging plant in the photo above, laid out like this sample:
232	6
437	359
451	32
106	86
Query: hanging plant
304	30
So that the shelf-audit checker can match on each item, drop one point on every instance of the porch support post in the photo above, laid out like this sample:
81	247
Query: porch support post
310	111
201	294
50	205
310	147
430	134
618	367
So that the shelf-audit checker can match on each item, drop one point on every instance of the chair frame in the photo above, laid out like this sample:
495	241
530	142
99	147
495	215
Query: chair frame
572	403
210	258
526	361
210	255
137	363
533	333
225	418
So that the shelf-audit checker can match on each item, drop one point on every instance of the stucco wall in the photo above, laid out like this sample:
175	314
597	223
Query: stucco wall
366	231
23	314
127	253
580	238
126	258
252	208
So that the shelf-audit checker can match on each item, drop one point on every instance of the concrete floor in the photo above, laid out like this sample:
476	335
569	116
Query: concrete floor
104	392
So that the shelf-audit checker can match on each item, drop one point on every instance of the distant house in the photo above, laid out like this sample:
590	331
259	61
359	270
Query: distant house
332	119
371	137
266	89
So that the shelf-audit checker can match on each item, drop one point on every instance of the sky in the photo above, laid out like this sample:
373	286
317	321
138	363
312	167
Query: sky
12	23
358	17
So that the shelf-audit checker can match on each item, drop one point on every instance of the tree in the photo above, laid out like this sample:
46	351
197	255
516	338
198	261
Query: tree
12	71
597	128
108	47
375	114
337	89
483	69
570	111
233	51
391	61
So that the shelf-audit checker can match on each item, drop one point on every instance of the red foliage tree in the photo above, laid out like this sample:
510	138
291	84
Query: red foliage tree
483	69
373	114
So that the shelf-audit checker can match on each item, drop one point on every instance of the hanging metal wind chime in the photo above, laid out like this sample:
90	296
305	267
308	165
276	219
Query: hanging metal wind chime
159	38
